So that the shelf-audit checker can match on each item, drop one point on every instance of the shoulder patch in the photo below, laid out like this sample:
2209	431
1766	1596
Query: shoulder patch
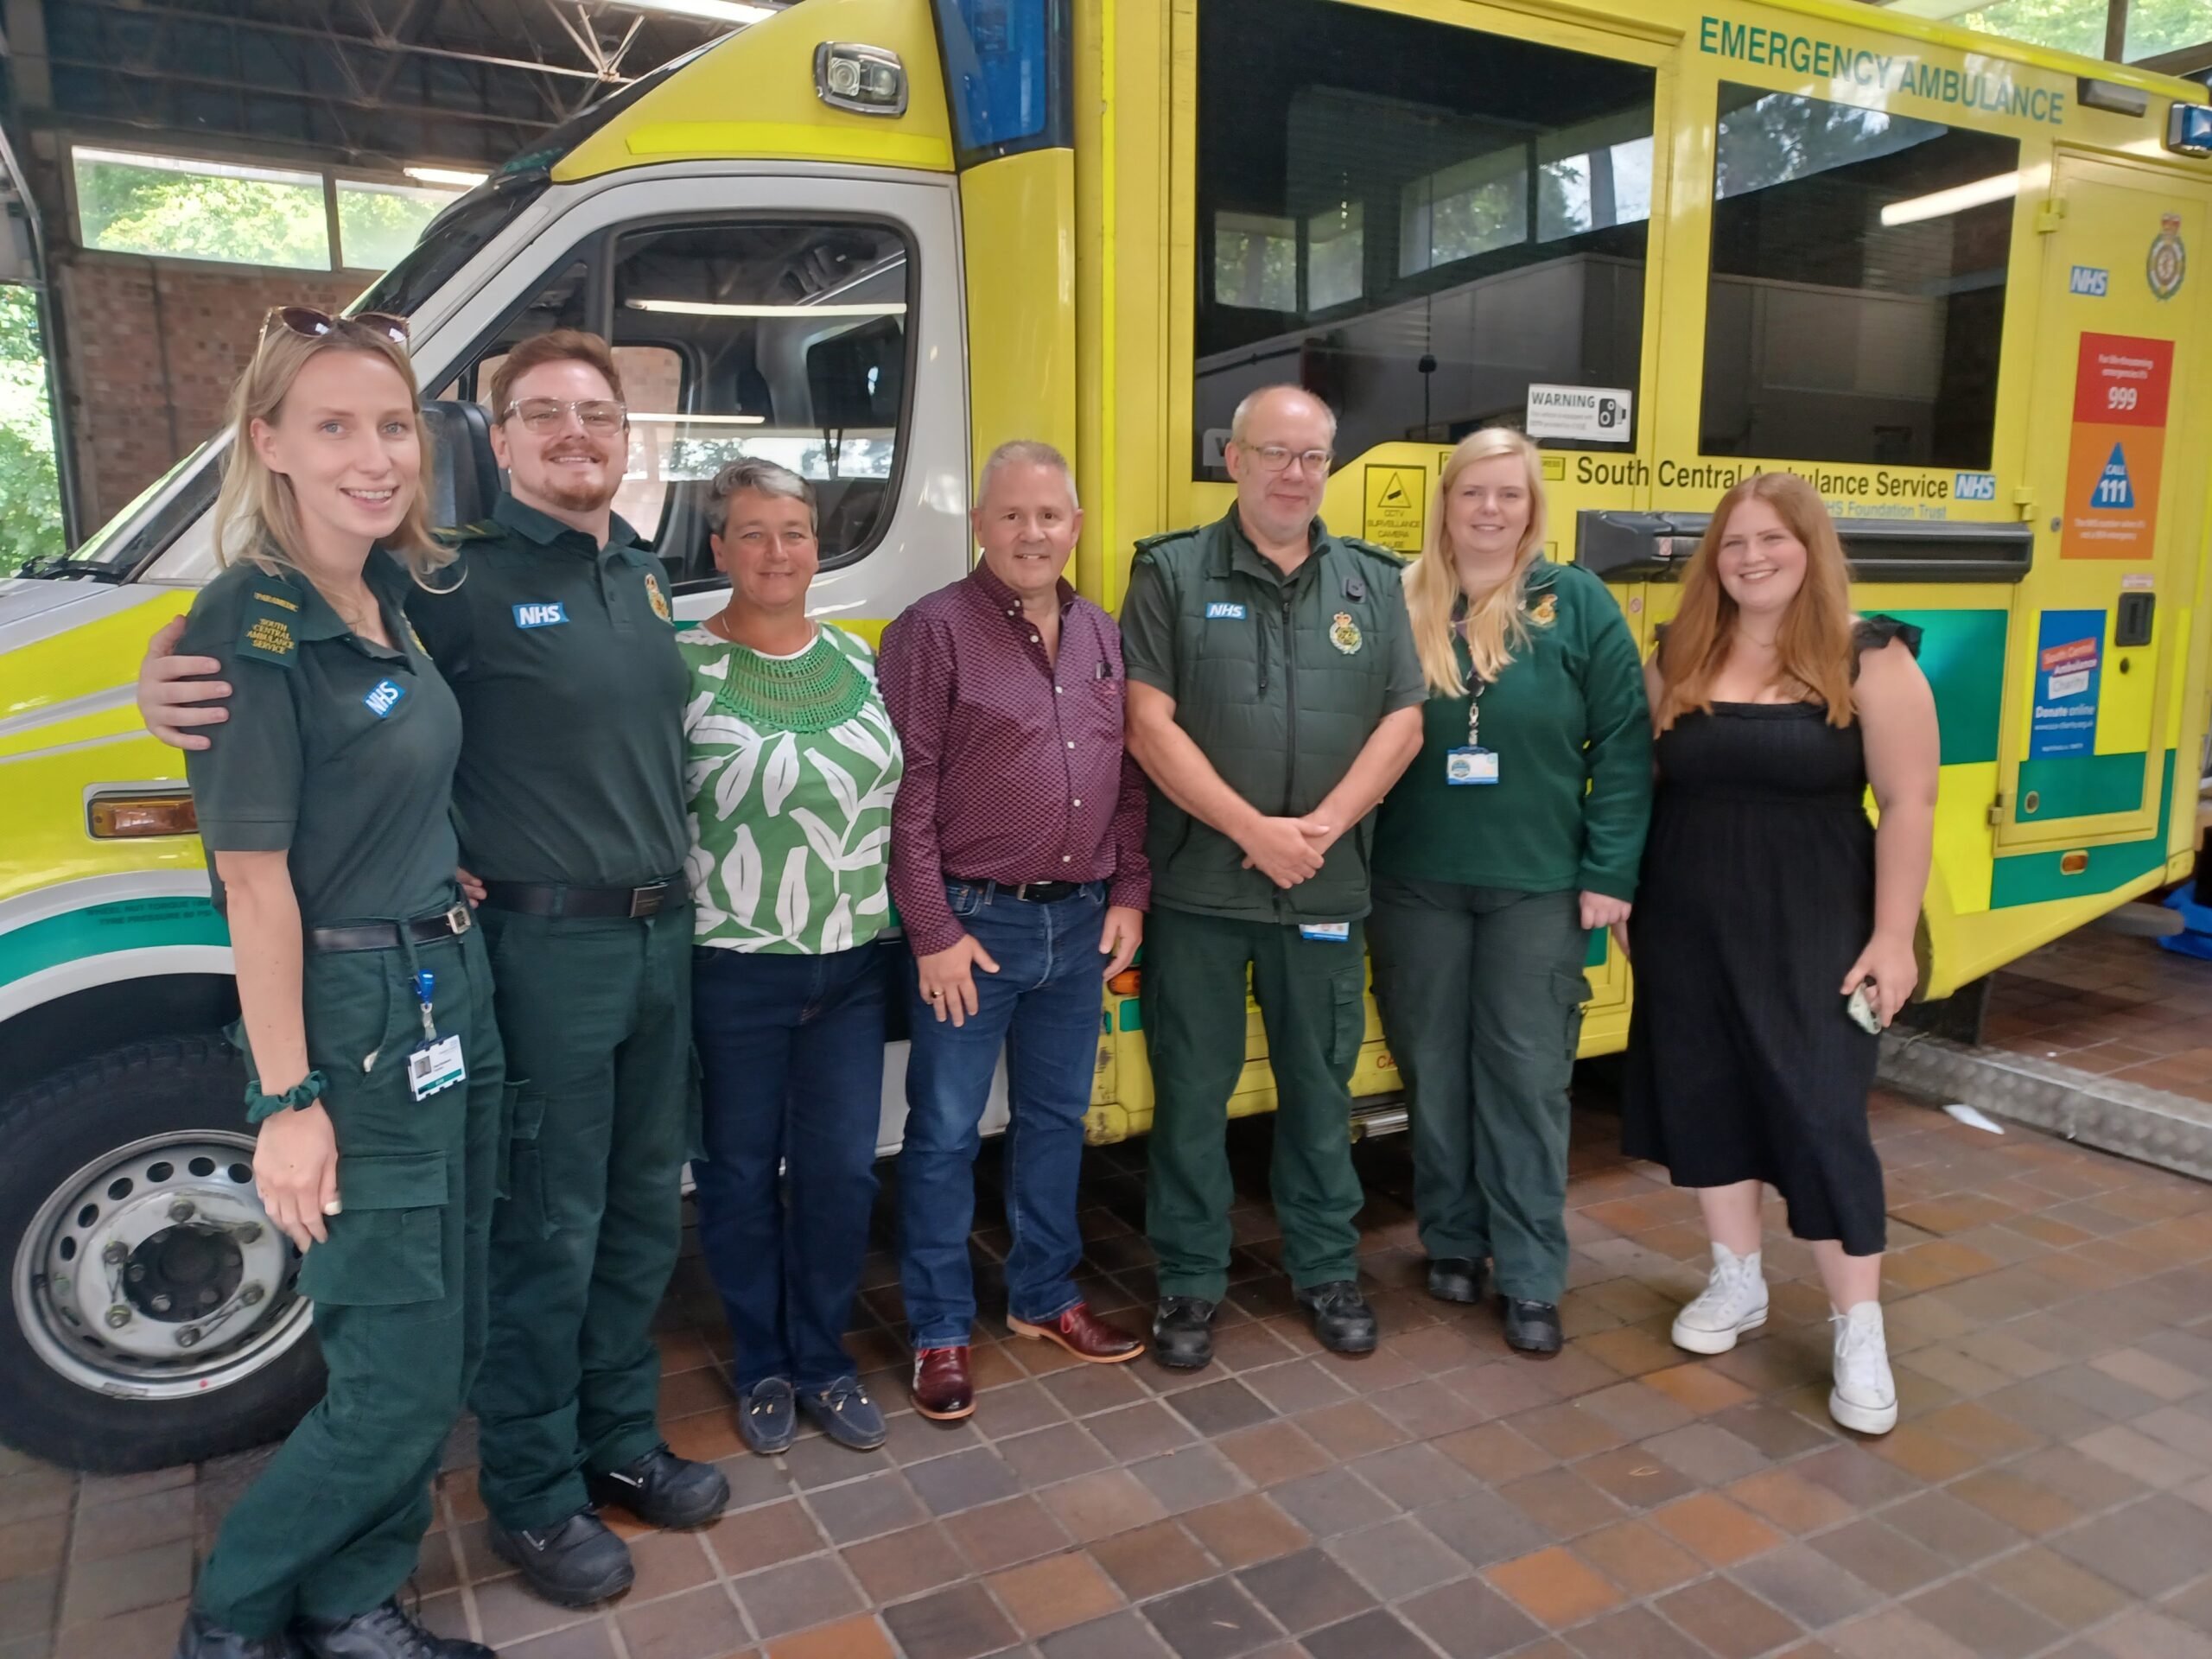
1380	555
1149	544
484	530
268	631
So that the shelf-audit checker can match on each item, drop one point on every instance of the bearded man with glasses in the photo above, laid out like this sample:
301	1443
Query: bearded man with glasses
1273	698
555	632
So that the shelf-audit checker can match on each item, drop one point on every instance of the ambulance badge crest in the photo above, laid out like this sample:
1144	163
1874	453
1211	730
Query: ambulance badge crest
660	599
1546	610
1344	634
2168	264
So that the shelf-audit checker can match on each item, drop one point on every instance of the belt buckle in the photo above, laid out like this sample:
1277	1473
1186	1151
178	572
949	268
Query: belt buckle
647	901
460	918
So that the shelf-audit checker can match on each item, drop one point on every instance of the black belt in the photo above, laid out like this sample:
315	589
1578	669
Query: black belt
384	936
536	898
1030	893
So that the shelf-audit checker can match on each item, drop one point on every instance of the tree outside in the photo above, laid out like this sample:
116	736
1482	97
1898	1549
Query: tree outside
2153	25
31	492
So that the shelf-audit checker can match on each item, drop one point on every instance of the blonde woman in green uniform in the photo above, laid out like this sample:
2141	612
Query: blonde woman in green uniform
375	1068
1516	830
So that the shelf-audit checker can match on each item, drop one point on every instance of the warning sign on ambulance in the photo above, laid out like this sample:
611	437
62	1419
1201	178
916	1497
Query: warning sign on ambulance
1395	507
2120	385
1595	414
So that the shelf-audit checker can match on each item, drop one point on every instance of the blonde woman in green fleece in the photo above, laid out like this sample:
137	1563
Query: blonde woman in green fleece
1517	830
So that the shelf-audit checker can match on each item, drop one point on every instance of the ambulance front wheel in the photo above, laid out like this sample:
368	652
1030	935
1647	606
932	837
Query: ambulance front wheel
152	1316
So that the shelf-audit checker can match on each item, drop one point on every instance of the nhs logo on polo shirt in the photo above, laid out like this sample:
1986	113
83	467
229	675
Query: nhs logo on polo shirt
541	614
384	697
1225	608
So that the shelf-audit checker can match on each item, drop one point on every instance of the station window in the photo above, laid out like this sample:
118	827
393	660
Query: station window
782	340
1857	296
1415	220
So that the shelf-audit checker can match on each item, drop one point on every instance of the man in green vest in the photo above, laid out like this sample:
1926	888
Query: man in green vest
1274	697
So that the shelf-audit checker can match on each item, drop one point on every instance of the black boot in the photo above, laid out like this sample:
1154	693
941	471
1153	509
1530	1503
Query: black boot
1532	1327
572	1563
1182	1332
382	1633
1455	1279
662	1489
203	1638
1342	1317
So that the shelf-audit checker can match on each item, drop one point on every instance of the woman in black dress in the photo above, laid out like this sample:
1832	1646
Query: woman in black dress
1768	902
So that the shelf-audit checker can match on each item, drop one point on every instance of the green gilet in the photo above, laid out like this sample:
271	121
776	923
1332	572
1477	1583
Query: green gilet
1281	681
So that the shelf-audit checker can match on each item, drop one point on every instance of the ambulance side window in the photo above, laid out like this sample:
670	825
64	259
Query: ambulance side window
1416	220
1856	302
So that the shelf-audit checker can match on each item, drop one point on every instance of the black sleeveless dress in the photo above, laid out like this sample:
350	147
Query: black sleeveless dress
1756	896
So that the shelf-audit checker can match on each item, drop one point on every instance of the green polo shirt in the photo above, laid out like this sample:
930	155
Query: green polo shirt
1572	731
338	752
563	656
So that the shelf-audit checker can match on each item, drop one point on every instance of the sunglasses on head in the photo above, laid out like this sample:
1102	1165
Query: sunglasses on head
311	324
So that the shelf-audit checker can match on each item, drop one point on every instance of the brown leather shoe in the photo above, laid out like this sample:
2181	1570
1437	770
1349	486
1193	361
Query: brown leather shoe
942	1388
1083	1334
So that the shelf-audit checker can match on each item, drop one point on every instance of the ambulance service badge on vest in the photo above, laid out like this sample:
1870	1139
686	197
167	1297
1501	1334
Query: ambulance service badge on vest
660	599
2169	261
1544	610
1344	634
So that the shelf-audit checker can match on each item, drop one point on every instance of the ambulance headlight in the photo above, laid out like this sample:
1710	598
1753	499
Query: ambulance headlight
866	79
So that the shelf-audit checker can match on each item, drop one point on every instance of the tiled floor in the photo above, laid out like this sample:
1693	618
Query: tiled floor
2050	1490
2115	1006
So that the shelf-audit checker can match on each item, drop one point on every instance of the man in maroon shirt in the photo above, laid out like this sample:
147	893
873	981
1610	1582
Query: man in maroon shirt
1017	860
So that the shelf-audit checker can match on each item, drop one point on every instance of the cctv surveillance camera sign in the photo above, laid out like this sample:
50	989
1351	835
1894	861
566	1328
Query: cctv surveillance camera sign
1590	414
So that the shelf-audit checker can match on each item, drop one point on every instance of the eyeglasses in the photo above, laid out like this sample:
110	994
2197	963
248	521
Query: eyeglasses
311	324
549	414
1276	458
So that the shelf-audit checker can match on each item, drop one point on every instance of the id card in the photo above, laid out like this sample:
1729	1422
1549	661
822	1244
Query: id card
1333	933
433	1067
1469	766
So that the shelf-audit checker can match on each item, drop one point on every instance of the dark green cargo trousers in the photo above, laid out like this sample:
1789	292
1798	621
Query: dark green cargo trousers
1481	992
331	1527
1311	993
596	1015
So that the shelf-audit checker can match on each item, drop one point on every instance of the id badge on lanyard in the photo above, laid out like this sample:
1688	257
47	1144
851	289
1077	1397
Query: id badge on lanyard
435	1063
1471	764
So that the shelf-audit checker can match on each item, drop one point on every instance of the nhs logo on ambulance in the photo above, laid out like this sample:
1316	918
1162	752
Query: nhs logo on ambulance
541	614
383	696
1974	486
2090	281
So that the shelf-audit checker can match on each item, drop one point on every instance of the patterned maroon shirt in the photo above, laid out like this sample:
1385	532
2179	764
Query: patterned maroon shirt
1015	770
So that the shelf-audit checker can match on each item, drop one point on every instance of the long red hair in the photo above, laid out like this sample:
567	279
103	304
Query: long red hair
1815	642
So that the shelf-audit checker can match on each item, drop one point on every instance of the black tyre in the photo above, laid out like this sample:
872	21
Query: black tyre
151	1316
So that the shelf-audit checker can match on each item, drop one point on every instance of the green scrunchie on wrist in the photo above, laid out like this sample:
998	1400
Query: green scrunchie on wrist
307	1090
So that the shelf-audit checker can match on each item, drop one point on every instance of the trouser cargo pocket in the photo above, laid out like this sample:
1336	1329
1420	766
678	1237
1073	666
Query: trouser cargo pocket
524	1213
386	1246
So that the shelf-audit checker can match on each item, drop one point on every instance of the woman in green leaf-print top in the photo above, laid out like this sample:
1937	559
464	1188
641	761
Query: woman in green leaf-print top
791	766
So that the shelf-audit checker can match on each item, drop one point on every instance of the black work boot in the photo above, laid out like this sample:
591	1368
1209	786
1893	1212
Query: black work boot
1455	1279
1531	1328
662	1489
572	1563
1182	1332
1342	1317
203	1638
382	1633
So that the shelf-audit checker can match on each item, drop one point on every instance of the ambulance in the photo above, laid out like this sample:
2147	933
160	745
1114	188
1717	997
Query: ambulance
1963	286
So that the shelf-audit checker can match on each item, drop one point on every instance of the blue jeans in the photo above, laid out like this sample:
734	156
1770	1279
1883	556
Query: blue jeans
791	1075
1042	1007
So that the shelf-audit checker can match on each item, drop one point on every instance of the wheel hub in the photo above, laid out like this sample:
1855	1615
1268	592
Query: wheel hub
154	1272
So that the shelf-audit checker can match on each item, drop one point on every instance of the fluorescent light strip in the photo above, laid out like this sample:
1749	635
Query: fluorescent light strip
1956	199
710	308
459	175
718	11
697	420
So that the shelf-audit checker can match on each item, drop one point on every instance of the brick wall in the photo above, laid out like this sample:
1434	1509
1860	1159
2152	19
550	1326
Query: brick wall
153	349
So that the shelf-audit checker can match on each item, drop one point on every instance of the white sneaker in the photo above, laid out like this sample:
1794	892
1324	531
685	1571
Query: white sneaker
1866	1395
1732	1302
